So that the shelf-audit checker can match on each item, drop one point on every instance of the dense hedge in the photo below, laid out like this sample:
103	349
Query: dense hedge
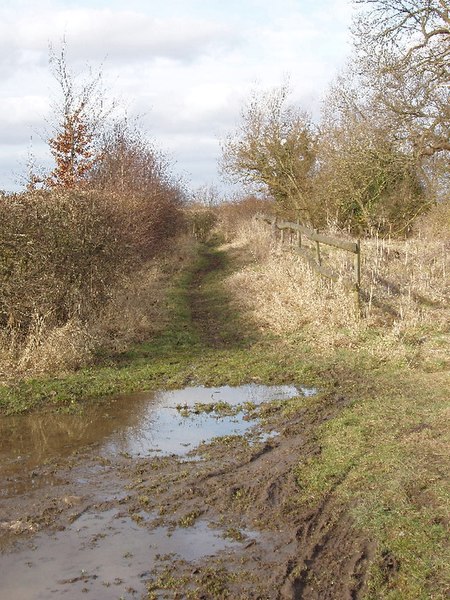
60	252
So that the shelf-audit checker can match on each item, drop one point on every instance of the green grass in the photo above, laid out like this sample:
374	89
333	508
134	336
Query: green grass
384	456
181	355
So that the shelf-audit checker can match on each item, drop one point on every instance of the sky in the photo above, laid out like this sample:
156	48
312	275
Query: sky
185	68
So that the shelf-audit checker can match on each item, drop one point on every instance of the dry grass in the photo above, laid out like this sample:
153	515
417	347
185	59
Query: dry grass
46	348
135	309
231	215
405	284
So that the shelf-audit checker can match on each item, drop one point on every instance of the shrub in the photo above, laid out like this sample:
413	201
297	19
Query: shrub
59	254
232	214
137	178
436	223
366	184
75	274
201	220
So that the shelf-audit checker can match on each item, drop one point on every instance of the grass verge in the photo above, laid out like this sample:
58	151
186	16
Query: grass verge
384	456
212	347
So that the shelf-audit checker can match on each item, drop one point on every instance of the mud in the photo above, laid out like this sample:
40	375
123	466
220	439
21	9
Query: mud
166	497
121	515
105	554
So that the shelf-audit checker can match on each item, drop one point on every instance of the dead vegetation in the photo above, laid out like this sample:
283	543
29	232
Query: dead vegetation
81	270
404	283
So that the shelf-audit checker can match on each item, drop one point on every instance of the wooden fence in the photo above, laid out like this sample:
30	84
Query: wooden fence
352	282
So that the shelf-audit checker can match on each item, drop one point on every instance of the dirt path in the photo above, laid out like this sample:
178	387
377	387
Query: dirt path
224	522
213	318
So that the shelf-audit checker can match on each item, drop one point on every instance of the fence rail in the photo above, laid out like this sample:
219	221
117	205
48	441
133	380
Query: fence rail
353	282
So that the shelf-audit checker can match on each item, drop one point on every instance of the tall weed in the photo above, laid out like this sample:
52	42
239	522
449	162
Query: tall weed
405	288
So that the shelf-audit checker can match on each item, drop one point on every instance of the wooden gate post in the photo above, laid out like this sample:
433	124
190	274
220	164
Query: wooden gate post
274	228
357	277
299	235
319	259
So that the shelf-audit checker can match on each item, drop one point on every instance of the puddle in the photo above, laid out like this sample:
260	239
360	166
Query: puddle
146	424
140	424
108	555
163	430
102	556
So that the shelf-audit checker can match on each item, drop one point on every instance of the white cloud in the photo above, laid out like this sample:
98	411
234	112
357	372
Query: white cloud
123	36
186	66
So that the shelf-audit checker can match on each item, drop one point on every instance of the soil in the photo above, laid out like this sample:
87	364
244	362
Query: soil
221	522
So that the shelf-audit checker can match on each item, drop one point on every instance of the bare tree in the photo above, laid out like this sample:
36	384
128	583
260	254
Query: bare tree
273	150
137	177
206	195
403	51
79	116
128	162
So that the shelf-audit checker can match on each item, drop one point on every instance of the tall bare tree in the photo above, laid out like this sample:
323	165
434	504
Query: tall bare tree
403	50
128	162
273	149
79	115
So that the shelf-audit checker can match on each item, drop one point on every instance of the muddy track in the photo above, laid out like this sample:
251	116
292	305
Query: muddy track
217	325
242	486
305	553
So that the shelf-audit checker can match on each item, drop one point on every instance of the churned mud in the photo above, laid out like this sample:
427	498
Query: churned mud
133	510
182	494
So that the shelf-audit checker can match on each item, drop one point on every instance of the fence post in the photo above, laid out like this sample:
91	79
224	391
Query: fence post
310	234
299	235
274	228
319	259
357	278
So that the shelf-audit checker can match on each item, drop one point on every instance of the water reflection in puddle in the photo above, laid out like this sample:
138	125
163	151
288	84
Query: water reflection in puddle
162	429
140	424
106	554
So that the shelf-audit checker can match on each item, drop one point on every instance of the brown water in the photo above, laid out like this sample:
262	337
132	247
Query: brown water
146	424
105	554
